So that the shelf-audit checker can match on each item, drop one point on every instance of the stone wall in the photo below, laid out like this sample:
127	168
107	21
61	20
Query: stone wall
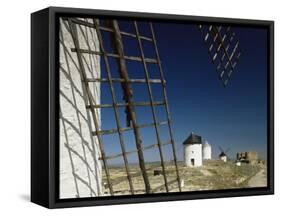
249	157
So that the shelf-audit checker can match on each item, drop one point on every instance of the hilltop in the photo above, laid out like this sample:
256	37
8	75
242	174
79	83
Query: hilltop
213	175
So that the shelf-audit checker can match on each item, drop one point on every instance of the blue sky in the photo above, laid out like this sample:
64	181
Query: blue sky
233	117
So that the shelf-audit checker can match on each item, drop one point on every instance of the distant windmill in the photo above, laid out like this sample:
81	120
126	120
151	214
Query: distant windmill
223	154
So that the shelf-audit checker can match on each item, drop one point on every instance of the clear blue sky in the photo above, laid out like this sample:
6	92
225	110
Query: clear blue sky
233	117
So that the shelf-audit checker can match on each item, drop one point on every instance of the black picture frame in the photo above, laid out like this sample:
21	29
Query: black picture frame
45	116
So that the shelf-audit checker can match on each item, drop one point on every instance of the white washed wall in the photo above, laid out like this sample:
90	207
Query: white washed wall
207	151
193	151
80	169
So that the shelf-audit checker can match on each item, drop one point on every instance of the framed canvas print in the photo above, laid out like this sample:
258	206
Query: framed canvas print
138	107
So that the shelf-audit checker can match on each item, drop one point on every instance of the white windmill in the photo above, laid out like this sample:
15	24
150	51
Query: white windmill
206	151
223	155
193	150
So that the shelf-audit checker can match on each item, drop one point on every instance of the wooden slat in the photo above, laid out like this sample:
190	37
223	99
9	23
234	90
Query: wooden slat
116	114
166	105
135	151
131	58
134	36
155	103
153	81
128	94
104	28
149	88
112	131
90	97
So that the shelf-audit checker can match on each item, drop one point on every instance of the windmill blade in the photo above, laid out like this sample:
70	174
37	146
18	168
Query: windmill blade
220	148
227	150
223	48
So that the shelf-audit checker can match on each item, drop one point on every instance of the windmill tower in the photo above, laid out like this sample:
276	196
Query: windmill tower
223	155
79	150
193	150
206	151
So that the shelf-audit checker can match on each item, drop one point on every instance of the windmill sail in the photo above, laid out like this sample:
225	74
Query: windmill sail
223	48
122	79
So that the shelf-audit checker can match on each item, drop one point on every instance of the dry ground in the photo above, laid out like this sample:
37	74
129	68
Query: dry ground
213	175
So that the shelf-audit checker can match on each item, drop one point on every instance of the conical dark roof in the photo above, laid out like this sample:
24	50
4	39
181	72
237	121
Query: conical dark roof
222	154
193	139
